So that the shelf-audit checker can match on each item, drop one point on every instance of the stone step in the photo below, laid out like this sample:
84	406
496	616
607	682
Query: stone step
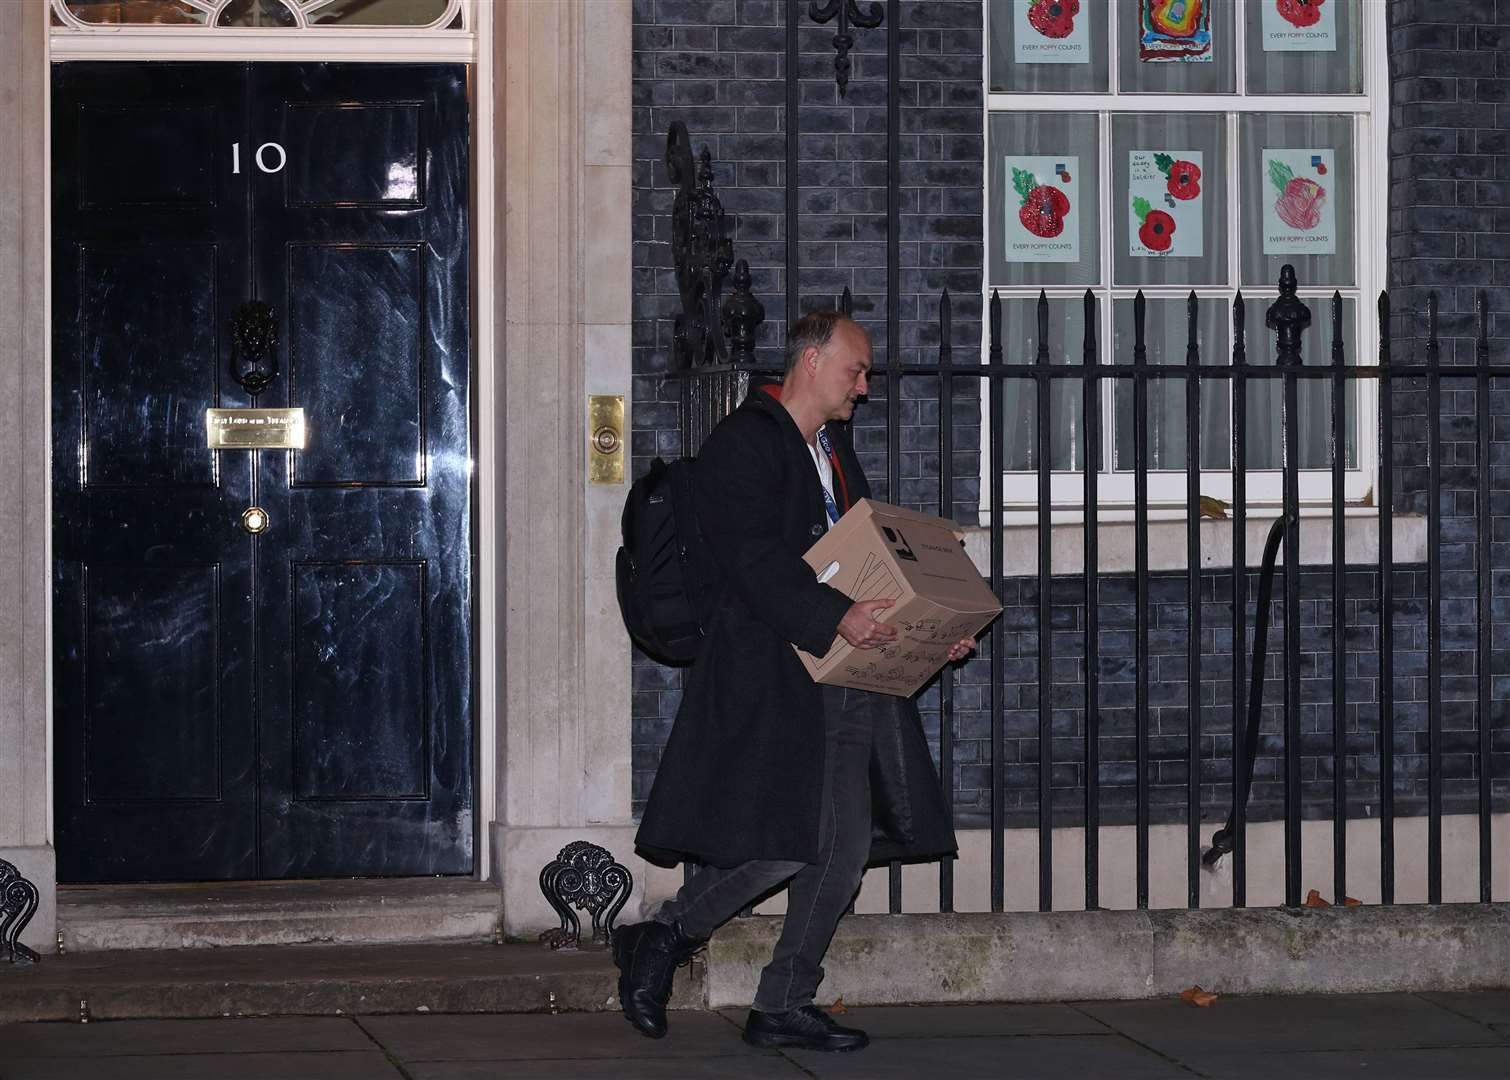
319	980
371	911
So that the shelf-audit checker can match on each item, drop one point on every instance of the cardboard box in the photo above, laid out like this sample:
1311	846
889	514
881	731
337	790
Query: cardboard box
879	551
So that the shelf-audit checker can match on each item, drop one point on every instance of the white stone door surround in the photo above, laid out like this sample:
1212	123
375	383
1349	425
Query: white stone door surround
562	144
553	311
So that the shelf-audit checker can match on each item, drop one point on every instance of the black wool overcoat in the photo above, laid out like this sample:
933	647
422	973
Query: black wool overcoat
742	774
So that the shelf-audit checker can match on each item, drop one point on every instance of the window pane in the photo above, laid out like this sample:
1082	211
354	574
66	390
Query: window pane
1045	225
1296	193
1048	46
1019	345
1166	337
135	12
1314	396
1305	47
380	12
1177	46
1169	174
261	13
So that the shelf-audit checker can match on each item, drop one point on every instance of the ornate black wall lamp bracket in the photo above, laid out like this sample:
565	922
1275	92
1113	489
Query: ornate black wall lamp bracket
701	251
18	903
847	11
586	877
254	346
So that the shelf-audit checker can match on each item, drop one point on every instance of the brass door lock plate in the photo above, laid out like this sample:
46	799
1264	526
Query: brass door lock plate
605	439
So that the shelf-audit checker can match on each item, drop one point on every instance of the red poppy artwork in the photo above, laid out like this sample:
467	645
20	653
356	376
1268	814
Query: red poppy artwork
1053	31
1053	18
1044	228
1300	13
1042	212
1300	198
1165	202
1299	208
1299	25
1156	231
1184	176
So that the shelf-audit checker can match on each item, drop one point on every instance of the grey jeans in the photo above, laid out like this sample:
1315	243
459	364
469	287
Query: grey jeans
818	893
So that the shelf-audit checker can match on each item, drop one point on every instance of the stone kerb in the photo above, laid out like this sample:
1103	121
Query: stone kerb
1067	956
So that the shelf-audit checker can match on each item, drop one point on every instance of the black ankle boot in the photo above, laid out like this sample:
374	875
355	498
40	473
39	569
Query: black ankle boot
647	955
807	1028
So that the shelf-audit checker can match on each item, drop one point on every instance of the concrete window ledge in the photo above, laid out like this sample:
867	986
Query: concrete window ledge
1116	537
1067	956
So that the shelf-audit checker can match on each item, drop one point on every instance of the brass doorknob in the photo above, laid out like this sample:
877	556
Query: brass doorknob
254	520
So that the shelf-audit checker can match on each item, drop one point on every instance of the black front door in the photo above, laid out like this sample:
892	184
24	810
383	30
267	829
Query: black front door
295	702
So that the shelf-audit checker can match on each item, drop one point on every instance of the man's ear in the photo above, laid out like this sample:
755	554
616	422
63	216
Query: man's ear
810	358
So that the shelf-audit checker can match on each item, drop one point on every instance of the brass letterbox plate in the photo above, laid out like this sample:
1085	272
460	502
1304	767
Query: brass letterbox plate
605	438
255	429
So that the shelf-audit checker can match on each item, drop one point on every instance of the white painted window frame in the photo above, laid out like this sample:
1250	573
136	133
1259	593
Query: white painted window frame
1370	112
76	39
472	45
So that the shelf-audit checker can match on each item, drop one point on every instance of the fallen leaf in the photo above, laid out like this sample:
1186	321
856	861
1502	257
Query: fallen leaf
1198	997
1212	507
837	1008
1348	901
1313	899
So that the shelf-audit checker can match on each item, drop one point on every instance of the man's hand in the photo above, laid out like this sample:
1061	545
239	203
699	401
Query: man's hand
961	649
859	626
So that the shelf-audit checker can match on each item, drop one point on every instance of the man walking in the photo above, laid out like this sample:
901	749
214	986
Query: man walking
769	779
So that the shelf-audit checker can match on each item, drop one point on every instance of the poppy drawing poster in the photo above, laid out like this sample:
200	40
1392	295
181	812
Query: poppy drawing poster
1165	204
1043	209
1174	30
1299	25
1298	193
1052	31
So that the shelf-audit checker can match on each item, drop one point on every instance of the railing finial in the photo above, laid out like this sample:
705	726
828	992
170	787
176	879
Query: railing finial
1288	317
742	315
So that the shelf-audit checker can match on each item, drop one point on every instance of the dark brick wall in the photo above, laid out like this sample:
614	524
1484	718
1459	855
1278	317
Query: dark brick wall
1450	163
718	65
1168	702
1450	236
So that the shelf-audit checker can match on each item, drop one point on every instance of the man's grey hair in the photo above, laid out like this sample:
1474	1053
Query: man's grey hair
813	331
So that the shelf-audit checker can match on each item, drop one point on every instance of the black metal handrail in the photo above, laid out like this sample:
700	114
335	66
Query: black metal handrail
1225	839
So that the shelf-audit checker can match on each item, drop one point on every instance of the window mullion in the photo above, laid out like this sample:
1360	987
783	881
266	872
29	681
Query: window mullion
1240	43
1107	343
1114	48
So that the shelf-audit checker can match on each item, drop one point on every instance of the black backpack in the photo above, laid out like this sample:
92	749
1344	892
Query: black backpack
668	584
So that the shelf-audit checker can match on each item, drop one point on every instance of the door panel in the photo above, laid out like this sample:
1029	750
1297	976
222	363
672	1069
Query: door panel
355	361
369	155
148	351
362	250
151	641
359	637
153	732
168	151
296	703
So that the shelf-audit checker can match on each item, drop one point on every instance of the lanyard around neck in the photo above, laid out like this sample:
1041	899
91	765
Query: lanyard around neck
828	496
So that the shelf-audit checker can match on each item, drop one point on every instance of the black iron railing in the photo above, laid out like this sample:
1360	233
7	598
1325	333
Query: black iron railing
1287	317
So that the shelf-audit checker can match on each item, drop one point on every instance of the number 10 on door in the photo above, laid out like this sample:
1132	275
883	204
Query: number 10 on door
282	158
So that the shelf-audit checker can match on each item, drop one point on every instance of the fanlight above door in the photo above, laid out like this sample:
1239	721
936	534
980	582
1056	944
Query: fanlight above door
263	14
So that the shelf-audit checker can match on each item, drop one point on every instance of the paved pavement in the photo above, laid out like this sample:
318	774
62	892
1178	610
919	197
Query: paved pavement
1381	1037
